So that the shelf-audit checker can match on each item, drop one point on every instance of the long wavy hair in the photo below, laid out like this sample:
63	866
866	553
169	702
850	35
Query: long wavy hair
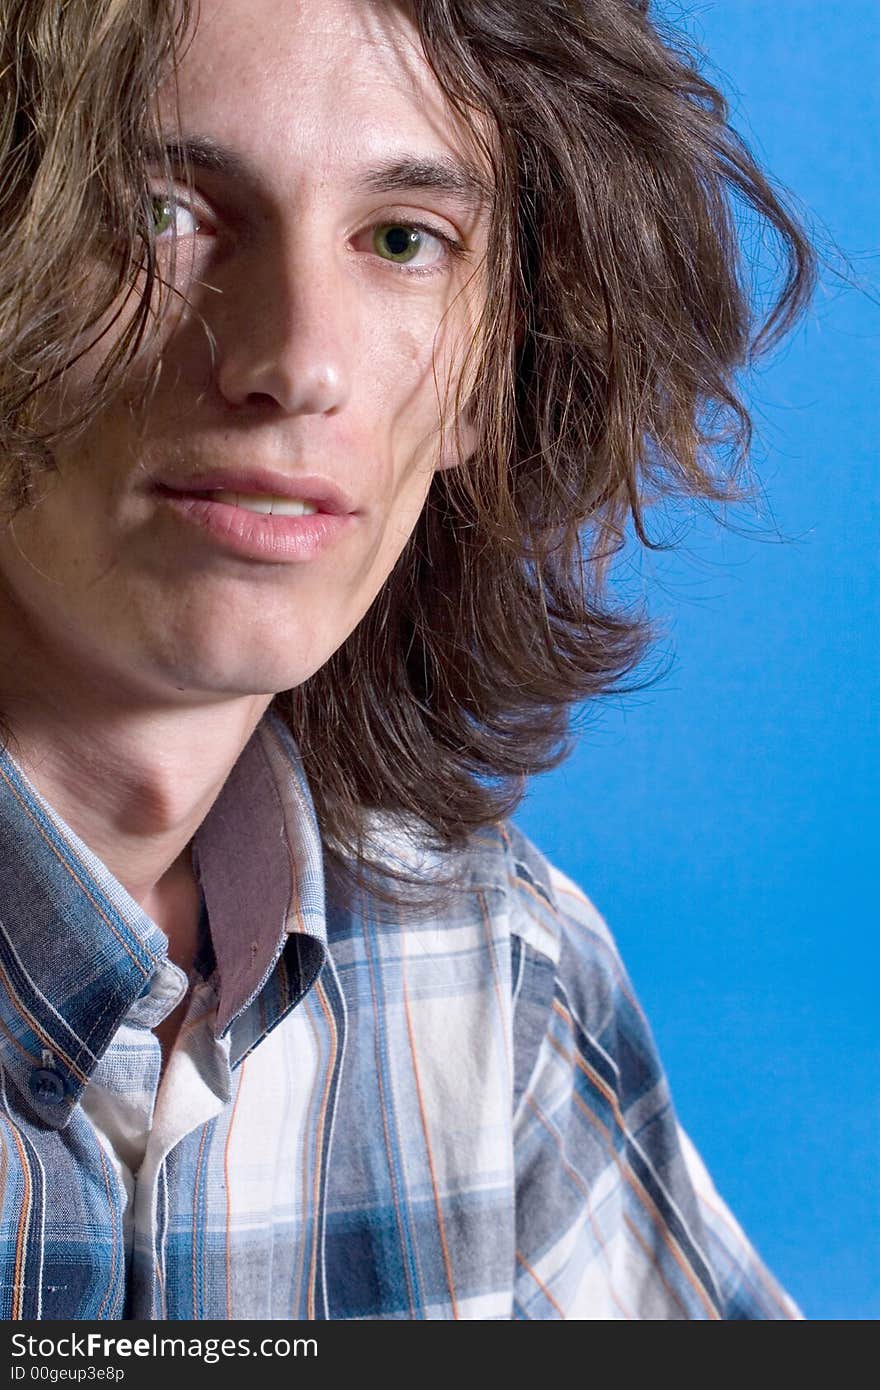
618	317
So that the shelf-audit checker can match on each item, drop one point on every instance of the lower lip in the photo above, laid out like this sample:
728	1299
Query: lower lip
256	536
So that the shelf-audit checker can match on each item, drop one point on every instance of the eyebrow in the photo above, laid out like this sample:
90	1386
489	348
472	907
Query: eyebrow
455	177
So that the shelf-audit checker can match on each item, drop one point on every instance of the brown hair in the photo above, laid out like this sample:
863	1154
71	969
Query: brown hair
618	314
77	82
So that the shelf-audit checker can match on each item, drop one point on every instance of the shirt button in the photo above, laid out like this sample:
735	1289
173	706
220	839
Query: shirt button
47	1086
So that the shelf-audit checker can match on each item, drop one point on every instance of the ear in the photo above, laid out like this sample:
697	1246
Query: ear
459	445
450	458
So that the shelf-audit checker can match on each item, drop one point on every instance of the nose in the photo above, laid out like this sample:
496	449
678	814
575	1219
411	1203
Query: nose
288	333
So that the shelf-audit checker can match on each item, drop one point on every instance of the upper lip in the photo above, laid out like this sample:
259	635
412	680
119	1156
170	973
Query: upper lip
326	495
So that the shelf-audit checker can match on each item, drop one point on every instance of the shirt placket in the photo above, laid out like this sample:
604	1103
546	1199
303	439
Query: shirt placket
195	1088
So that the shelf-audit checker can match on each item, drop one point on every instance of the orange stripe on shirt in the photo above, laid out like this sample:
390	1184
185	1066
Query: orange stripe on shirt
330	1067
438	1206
625	1170
228	1187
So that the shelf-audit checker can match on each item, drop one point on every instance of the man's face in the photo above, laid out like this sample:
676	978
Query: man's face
323	280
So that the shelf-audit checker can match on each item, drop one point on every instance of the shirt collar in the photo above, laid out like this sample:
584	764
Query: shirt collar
78	954
259	860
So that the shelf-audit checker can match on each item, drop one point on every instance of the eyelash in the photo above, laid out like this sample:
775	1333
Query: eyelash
454	249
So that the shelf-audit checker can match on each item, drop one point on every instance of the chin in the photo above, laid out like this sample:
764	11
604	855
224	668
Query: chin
197	673
237	659
239	683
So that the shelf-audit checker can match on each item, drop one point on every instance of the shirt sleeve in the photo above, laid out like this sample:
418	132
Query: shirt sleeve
616	1215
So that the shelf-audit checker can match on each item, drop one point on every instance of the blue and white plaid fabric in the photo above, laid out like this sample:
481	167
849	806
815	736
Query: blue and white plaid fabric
456	1118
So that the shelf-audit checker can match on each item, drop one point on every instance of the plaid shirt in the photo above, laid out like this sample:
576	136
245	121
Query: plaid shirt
362	1118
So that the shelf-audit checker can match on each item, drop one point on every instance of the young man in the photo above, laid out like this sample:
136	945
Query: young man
318	370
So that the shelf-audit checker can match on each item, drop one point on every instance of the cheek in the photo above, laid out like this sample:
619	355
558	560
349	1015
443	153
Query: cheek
402	394
396	359
80	528
423	371
52	555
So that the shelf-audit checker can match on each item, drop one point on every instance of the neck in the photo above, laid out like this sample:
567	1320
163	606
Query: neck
135	785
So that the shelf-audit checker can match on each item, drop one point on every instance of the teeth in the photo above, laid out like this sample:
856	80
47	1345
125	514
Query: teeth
268	506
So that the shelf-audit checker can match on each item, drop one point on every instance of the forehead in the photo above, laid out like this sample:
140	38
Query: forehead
313	83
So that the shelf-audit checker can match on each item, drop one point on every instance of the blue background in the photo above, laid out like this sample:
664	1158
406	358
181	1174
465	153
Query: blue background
724	821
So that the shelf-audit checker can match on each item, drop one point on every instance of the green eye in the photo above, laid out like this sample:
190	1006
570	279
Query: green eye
162	215
395	242
170	214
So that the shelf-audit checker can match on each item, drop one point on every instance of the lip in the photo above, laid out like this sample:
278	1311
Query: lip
253	535
327	496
